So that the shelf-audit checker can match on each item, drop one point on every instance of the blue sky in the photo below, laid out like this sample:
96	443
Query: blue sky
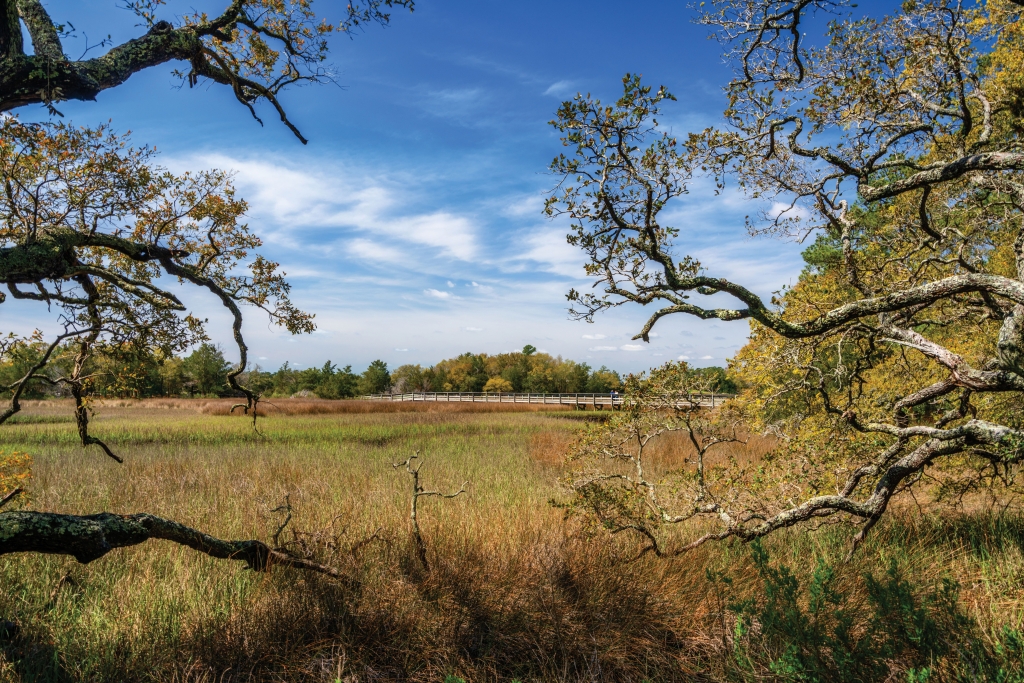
411	223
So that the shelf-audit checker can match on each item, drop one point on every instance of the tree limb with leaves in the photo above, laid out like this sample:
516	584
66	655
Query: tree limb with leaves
896	144
90	226
618	481
255	47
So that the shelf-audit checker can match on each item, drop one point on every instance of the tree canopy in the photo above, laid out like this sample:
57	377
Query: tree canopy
519	371
91	225
896	142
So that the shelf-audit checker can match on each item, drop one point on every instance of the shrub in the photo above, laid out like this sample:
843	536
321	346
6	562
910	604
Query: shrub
498	385
821	632
15	471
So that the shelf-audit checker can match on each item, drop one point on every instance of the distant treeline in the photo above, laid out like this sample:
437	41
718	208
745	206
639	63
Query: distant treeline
204	373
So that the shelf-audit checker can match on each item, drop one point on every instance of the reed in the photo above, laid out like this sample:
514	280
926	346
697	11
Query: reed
514	592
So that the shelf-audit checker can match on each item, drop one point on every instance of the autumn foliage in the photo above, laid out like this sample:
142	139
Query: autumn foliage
15	471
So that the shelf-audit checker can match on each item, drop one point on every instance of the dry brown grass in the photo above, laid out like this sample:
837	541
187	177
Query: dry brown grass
548	448
673	450
299	406
515	592
302	406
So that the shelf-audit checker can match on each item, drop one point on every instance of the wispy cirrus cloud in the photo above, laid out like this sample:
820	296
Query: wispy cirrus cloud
561	89
374	251
342	199
547	249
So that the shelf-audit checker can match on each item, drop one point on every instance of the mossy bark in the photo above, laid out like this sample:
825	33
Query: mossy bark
49	76
33	79
48	259
53	257
90	537
10	29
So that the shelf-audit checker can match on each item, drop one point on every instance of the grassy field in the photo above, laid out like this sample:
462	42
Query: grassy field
514	592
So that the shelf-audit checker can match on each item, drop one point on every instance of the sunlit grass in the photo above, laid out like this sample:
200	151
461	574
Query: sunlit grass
515	590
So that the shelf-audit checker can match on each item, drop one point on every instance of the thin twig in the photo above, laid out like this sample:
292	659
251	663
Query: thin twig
10	496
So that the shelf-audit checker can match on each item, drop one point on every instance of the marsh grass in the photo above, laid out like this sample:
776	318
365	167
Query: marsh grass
300	406
514	592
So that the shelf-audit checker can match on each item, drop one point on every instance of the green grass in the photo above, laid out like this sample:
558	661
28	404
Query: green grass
515	592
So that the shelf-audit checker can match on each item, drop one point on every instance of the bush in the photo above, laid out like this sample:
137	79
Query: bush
15	471
498	385
820	632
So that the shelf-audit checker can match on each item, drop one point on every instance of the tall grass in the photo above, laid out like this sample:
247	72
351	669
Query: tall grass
514	591
295	406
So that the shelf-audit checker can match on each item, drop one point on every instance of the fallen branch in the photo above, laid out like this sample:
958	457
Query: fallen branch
10	496
88	538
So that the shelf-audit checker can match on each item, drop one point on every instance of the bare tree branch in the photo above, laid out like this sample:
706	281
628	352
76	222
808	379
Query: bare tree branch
90	537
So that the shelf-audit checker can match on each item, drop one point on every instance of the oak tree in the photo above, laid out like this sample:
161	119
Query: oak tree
896	143
93	228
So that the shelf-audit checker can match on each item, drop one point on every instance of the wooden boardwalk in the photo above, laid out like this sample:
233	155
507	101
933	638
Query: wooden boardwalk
580	401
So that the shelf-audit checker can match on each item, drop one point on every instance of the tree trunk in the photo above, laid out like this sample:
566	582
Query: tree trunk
87	538
10	30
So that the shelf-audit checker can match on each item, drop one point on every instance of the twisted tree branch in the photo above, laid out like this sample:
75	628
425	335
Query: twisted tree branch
90	537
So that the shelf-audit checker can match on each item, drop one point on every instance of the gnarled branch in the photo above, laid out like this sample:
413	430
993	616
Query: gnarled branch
90	537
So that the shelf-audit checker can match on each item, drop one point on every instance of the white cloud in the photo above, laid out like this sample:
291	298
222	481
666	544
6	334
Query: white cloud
402	350
549	250
368	249
483	289
373	251
787	212
451	234
560	89
379	206
683	358
530	205
707	357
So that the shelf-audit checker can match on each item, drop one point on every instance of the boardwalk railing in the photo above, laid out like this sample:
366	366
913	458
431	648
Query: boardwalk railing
709	400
